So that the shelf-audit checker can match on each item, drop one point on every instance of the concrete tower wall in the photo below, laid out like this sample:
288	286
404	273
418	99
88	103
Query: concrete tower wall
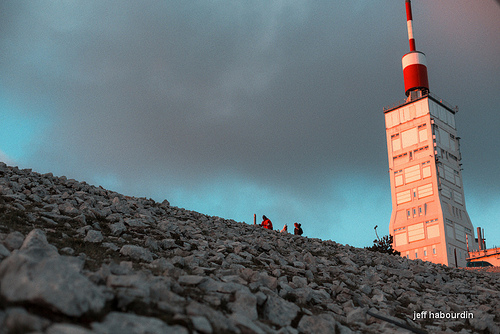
429	220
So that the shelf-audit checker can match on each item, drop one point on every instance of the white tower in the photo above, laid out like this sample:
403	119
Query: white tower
429	220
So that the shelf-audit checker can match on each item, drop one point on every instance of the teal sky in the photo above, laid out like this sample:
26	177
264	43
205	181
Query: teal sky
234	109
20	130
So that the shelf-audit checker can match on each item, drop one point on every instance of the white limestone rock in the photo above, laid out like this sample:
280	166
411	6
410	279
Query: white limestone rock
245	324
4	252
119	323
323	323
279	311
152	244
49	221
111	246
37	273
18	318
191	280
14	241
94	236
35	245
117	229
219	322
136	282
483	322
134	222
68	209
137	253
245	303
356	315
201	324
67	329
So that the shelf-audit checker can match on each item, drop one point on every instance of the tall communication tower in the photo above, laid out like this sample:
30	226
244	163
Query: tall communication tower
429	220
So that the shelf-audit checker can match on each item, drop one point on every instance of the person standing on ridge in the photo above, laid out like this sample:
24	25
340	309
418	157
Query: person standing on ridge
266	223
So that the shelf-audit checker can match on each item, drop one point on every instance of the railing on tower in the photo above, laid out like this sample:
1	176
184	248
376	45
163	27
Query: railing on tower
432	95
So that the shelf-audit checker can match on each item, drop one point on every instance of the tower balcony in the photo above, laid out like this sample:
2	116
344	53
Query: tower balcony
410	99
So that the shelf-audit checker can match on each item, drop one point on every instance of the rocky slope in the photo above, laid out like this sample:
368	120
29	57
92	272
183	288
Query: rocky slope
78	259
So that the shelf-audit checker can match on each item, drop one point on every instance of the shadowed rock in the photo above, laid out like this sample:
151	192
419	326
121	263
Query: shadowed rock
119	323
38	274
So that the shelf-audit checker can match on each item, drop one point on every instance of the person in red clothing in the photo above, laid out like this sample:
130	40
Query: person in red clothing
266	223
298	229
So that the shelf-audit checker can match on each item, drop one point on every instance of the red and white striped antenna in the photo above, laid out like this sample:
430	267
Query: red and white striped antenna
414	63
409	23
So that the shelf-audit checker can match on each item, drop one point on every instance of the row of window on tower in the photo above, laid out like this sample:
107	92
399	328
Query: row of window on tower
423	253
412	173
456	212
416	212
449	174
416	193
417	110
409	137
423	170
447	145
416	232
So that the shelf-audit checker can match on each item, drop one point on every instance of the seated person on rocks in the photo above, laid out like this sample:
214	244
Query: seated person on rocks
298	229
266	223
285	229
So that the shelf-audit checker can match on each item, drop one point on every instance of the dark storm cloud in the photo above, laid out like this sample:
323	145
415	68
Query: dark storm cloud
464	71
286	94
198	85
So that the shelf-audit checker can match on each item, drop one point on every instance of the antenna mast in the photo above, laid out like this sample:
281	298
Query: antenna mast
414	64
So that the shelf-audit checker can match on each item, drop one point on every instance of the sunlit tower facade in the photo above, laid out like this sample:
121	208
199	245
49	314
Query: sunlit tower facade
429	220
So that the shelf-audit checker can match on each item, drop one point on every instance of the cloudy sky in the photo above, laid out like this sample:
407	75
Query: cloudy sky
232	108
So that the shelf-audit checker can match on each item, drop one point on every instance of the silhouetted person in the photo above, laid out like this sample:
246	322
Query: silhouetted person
266	223
298	229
